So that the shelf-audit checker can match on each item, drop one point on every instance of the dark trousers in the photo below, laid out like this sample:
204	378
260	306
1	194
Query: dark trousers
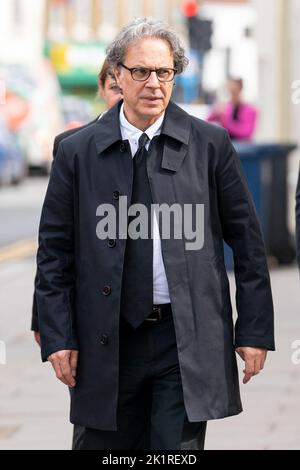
151	413
77	433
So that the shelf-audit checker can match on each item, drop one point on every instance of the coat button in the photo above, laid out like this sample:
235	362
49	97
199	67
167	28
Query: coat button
106	290
116	194
104	340
111	243
122	147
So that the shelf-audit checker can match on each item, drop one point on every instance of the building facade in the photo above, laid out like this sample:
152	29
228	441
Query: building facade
91	19
21	31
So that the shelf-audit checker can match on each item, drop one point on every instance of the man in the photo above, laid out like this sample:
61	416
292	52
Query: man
141	328
238	117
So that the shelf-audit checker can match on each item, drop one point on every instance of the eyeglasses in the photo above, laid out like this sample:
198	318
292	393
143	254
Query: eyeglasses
141	74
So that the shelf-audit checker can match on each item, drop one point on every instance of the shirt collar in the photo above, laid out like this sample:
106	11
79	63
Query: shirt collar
131	132
176	124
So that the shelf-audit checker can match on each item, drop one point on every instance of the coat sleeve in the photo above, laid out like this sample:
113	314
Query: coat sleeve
55	261
34	312
298	220
241	231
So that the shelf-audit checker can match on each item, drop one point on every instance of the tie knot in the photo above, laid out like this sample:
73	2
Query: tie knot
143	140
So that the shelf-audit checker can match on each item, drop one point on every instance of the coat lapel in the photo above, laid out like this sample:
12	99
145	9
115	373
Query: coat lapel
176	128
107	130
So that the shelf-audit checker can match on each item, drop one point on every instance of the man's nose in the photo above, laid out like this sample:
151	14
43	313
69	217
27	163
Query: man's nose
153	81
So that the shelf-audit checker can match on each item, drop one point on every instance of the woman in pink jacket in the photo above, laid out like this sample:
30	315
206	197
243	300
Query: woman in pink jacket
237	117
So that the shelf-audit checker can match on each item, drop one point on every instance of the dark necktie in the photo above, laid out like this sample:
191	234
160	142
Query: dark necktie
137	284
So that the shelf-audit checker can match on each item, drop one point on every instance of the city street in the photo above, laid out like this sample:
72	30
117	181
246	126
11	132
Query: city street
20	208
233	64
34	405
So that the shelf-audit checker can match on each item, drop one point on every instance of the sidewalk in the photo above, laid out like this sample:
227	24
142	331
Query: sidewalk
271	403
34	406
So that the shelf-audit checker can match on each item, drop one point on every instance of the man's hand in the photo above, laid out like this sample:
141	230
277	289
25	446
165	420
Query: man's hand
65	364
254	361
37	337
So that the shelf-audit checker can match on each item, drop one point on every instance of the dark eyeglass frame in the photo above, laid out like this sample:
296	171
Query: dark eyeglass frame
131	70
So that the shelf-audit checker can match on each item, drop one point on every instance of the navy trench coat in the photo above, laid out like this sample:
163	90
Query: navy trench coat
80	276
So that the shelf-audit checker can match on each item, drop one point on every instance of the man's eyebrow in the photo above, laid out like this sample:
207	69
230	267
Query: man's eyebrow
145	67
139	67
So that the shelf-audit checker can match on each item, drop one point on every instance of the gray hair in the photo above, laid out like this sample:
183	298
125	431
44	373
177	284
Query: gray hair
142	28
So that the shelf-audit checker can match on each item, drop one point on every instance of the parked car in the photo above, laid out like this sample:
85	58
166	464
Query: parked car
39	89
12	162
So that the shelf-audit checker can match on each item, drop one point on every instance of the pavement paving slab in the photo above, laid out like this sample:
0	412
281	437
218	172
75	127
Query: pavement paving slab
34	406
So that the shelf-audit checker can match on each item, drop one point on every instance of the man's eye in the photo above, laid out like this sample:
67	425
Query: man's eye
163	73
141	72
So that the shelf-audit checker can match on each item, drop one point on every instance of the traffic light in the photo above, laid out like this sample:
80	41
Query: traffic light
200	32
189	8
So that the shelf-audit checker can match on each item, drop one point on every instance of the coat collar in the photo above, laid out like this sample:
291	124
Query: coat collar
107	130
176	126
177	123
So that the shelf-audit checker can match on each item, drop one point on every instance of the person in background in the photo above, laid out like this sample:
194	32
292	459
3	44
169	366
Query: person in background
237	117
110	92
108	89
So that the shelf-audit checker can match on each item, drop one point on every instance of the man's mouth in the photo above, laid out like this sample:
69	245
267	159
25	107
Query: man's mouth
151	98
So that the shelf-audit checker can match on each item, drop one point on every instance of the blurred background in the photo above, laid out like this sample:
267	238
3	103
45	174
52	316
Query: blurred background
244	74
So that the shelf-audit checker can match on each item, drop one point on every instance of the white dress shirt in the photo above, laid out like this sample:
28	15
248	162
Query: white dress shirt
132	134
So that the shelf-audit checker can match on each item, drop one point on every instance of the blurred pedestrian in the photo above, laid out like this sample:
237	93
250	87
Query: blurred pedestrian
238	117
110	92
108	89
150	321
